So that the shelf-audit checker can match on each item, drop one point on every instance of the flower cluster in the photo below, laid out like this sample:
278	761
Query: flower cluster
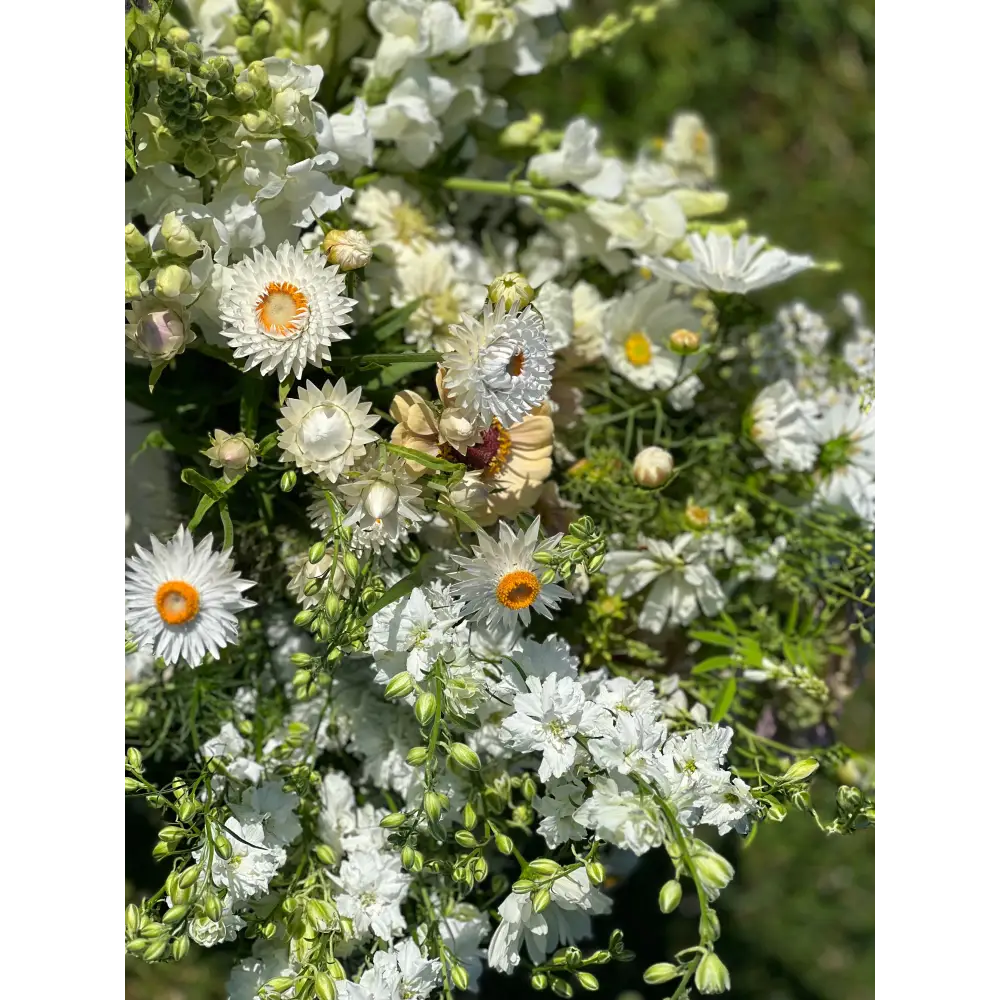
552	535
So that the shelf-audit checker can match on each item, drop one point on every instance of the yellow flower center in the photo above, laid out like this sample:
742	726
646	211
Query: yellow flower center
646	273
638	349
410	224
698	516
699	143
518	589
516	364
177	602
280	308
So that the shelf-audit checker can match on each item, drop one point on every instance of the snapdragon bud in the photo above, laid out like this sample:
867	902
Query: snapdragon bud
684	341
347	248
244	92
257	75
158	336
172	281
524	132
652	466
136	245
178	237
512	289
132	283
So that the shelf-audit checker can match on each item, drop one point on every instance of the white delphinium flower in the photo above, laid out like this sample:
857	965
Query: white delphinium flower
617	813
684	586
430	276
338	811
268	961
528	658
410	634
578	162
273	808
622	696
727	802
372	886
629	745
845	471
383	503
208	933
547	719
638	342
780	427
564	921
563	796
182	600
499	365
325	430
252	864
282	311
417	976
719	264
701	750
235	748
412	29
645	226
503	580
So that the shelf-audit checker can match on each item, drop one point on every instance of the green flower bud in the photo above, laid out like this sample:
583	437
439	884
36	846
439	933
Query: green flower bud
316	552
417	755
595	872
713	869
180	947
132	282
259	121
662	972
480	869
132	918
670	896
172	280
432	805
561	988
323	982
523	885
223	847
465	839
244	92
504	844
528	788
465	756
849	798
241	25
588	981
400	686
539	981
136	946
324	853
156	950
540	898
800	770
544	866
425	708
708	926
511	289
711	975
393	820
134	759
288	481
776	812
332	604
257	74
469	817
351	564
548	577
280	983
459	977
304	617
197	159
522	133
136	245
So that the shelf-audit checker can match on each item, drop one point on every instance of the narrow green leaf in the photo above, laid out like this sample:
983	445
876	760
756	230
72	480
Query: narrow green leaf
205	504
227	525
253	392
712	663
283	389
266	444
154	439
428	461
391	374
459	516
715	639
724	700
154	375
194	478
394	320
401	589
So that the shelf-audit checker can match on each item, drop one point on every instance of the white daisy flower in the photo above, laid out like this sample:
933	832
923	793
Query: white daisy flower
325	430
282	311
498	366
846	467
685	585
503	581
638	343
719	264
383	502
182	600
780	427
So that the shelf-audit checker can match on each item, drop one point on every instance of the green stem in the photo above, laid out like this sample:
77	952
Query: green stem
387	359
516	189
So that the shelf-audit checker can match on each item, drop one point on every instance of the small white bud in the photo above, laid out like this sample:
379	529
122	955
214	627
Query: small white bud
652	466
348	248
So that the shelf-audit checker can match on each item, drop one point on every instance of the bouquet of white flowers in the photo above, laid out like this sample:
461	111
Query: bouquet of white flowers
517	539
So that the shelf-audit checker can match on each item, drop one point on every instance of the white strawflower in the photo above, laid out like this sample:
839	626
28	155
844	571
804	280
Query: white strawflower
498	366
652	466
780	427
182	600
719	264
325	430
503	580
383	502
846	467
282	311
685	585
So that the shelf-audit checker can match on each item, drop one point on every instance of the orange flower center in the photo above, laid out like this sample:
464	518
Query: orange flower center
518	589
638	349
280	308
177	602
516	364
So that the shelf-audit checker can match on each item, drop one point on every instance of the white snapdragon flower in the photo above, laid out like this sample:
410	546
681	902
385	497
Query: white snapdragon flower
578	162
685	585
349	136
780	426
372	887
412	29
646	226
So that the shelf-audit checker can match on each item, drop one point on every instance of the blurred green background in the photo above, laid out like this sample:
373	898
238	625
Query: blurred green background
787	86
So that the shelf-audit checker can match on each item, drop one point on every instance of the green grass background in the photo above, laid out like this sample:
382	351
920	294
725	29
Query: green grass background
787	86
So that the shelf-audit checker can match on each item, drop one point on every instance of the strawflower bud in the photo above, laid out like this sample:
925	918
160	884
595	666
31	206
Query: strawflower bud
512	289
684	341
652	466
348	248
233	453
157	336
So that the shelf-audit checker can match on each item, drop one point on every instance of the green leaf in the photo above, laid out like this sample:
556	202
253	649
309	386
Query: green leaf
428	461
712	663
154	439
394	320
391	374
194	478
459	516
154	375
253	392
227	525
715	639
283	389
205	504
266	444
724	700
401	589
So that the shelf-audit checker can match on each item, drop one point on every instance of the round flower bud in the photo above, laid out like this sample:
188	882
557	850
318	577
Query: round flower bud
670	896
172	281
524	132
157	335
132	281
233	453
178	237
400	686
685	341
662	972
244	92
512	289
348	248
257	74
652	466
